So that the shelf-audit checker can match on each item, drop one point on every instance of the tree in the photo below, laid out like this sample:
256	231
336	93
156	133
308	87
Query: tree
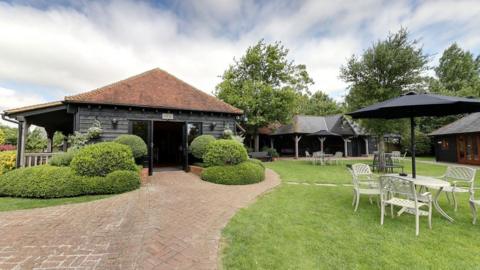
458	73
265	85
319	104
10	134
36	140
386	70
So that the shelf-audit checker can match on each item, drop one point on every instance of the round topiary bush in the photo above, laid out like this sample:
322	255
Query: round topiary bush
244	173
115	182
63	158
41	182
103	158
224	152
136	144
199	145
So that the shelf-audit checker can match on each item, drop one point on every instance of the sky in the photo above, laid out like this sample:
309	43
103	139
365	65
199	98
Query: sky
51	49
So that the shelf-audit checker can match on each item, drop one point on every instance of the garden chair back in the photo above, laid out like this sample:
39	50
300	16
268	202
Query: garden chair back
396	191
360	186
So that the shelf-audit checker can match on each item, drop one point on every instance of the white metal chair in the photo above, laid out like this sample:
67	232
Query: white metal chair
461	179
309	157
396	191
337	158
473	204
364	182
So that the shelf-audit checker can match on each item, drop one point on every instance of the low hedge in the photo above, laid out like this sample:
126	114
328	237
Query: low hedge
224	152
55	182
115	182
247	172
41	182
103	158
63	158
136	144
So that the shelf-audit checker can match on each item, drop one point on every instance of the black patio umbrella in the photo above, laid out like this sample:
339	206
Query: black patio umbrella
323	133
412	105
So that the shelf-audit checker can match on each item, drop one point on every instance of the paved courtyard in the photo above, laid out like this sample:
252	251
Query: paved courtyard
173	222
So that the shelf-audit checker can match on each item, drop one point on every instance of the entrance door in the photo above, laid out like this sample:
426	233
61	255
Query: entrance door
468	147
168	144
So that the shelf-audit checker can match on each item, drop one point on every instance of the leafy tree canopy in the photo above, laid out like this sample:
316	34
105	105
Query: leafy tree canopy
10	134
265	84
319	104
386	70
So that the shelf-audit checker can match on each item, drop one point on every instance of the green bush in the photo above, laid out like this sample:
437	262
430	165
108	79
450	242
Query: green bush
224	152
256	161
63	158
199	145
271	151
136	144
41	182
103	158
115	182
247	172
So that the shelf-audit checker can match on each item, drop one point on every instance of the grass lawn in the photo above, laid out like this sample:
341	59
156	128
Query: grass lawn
9	204
314	227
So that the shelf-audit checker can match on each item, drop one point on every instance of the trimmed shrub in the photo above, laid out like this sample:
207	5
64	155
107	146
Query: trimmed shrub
199	145
224	152
247	172
63	158
41	182
103	158
114	182
7	161
271	151
256	161
136	144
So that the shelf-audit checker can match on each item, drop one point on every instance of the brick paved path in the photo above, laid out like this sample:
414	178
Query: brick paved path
174	222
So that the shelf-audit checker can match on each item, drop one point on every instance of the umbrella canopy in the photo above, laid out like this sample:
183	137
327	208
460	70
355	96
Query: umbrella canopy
323	133
412	105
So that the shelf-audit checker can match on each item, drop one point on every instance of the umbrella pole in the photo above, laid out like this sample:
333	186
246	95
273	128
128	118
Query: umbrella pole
412	146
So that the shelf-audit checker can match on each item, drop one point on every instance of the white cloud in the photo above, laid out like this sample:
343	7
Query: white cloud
94	43
10	98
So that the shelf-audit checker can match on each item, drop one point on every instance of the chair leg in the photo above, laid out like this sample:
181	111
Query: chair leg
358	202
448	198
430	215
391	210
474	212
382	212
454	201
354	197
417	224
370	199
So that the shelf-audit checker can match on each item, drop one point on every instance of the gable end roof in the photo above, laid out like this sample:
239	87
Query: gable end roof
155	88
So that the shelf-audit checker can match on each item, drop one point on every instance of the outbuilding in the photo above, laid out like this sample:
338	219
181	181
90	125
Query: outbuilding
155	105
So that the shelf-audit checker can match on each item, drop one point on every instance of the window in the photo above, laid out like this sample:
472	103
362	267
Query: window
193	130
139	128
444	144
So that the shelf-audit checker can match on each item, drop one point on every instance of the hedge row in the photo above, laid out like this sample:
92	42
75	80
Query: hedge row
247	172
54	182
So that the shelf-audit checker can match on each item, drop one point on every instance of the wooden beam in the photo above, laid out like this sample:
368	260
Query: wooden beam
297	139
366	146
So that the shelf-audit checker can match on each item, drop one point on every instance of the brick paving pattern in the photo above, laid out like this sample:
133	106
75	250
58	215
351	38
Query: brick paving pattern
173	222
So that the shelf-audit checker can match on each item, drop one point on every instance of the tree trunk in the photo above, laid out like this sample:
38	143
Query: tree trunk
257	142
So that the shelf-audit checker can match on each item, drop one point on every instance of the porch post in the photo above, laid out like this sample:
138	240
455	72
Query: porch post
19	144
271	142
345	146
322	139
50	134
297	139
366	146
257	142
23	135
65	143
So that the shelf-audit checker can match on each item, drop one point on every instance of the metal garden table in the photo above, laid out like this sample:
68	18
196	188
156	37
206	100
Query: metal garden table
427	181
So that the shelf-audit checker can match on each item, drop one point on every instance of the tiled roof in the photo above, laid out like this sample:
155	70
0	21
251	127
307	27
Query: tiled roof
154	88
467	124
34	107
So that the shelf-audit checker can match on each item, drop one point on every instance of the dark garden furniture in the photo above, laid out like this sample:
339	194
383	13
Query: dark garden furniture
263	156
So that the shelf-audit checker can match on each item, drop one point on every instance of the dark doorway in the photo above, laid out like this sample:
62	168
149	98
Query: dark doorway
168	144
